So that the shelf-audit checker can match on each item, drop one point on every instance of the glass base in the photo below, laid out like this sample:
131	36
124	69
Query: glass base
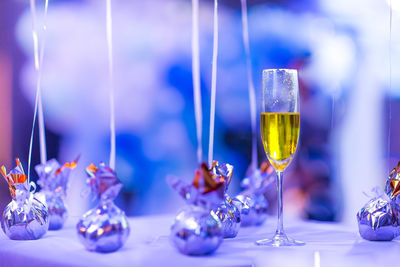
279	240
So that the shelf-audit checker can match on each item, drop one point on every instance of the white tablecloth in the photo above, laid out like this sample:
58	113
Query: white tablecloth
328	244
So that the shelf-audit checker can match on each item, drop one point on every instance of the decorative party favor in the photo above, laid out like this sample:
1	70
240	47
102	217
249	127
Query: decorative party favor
379	218
252	203
25	217
227	212
104	228
53	180
376	221
197	230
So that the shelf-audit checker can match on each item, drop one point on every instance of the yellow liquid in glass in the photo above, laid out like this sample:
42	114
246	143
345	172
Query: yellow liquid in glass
280	133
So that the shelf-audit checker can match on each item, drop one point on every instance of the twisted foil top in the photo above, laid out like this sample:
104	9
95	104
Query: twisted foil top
54	177
208	180
393	182
208	186
17	181
103	181
259	179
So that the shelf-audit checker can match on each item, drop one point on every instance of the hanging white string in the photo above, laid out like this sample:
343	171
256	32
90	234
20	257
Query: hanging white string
38	58
42	133
252	94
333	111
390	78
111	81
213	84
196	77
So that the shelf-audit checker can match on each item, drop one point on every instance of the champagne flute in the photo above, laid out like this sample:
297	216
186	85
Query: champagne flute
280	127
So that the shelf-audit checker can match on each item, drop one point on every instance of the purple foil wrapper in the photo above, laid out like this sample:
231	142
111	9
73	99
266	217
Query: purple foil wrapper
53	180
25	217
194	196
253	208
229	215
104	228
196	230
376	221
251	202
227	212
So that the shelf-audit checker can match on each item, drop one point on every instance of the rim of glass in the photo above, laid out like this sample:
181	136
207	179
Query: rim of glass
274	70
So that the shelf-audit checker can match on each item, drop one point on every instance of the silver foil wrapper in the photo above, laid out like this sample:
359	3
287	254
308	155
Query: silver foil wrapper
229	215
23	221
227	212
251	202
253	208
196	231
53	180
376	221
25	217
58	211
195	196
104	228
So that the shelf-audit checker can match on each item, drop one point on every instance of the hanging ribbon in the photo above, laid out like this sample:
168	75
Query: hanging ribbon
213	85
252	94
111	82
38	57
390	77
196	77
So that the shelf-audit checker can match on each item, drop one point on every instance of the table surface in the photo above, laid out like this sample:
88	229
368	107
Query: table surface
327	244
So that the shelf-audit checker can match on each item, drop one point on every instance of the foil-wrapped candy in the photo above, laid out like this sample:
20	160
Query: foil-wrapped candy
376	221
392	189
252	203
253	208
196	230
229	215
25	217
227	212
104	228
53	180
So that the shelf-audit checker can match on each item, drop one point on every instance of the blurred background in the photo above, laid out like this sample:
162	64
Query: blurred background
341	48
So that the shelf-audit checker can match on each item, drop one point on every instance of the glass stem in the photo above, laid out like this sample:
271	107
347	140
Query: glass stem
279	229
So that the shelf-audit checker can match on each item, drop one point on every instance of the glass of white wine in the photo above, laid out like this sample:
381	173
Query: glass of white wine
280	127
